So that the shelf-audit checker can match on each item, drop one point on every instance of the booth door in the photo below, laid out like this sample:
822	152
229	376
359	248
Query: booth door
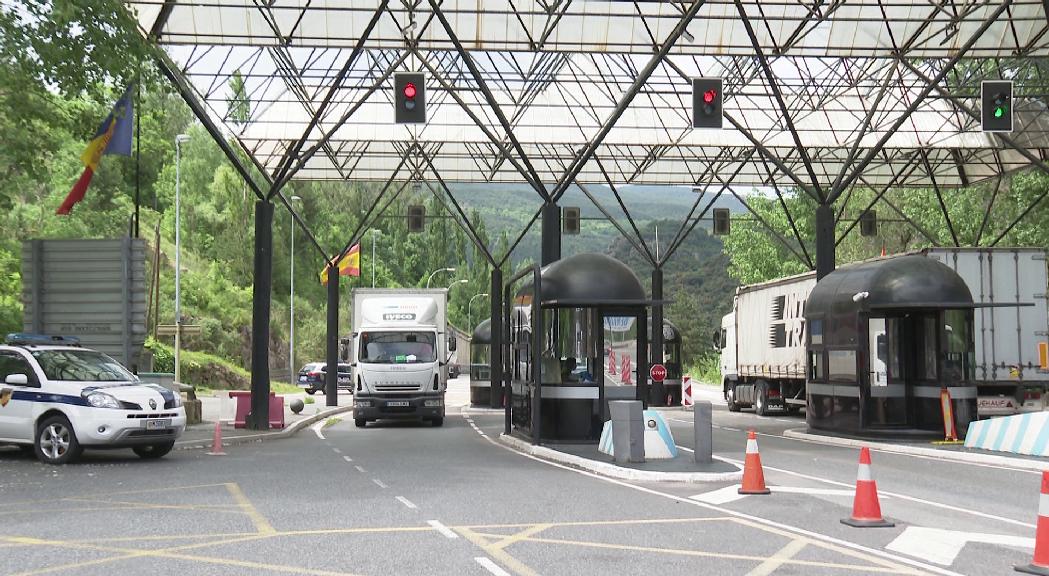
887	402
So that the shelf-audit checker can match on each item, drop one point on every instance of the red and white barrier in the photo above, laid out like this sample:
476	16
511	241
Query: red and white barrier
686	392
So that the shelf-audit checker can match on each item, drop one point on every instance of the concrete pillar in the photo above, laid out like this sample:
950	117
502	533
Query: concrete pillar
259	418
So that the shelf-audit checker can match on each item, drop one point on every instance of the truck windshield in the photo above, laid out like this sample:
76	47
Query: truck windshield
81	366
398	347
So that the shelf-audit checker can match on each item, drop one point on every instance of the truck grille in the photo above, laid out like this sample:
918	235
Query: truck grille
397	387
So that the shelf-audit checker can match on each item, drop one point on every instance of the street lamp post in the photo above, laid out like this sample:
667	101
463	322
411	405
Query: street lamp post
463	281
375	232
291	299
435	272
178	248
469	311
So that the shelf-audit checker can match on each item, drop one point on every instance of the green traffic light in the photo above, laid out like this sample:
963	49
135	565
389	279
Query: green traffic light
999	111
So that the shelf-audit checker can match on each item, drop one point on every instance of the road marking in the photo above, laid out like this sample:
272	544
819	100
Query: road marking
379	483
729	428
499	554
347	458
720	496
444	530
317	430
337	451
407	502
943	546
260	522
780	558
359	469
819	491
491	566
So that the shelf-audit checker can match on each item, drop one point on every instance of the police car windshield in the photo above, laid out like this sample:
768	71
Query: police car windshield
81	366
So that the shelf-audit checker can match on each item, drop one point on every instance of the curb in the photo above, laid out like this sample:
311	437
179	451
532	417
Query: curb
613	471
964	457
287	432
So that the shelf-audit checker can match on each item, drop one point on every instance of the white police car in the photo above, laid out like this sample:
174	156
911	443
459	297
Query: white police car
57	398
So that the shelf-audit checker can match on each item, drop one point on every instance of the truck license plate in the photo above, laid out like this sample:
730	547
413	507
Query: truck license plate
397	403
158	424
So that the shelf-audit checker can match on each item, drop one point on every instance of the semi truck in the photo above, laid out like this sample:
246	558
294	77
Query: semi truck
763	340
399	352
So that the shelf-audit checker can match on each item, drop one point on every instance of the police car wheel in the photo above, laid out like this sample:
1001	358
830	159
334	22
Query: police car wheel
311	391
56	442
153	451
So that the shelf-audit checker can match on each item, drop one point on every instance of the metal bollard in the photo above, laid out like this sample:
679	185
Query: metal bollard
703	424
628	431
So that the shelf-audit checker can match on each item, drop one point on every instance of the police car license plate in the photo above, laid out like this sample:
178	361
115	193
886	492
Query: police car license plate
397	403
158	424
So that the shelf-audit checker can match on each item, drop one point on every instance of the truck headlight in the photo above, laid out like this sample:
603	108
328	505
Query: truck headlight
102	400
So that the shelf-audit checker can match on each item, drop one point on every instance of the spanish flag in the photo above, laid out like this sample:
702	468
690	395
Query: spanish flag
349	264
112	137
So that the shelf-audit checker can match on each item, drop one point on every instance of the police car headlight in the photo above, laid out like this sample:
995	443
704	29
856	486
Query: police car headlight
102	400
177	402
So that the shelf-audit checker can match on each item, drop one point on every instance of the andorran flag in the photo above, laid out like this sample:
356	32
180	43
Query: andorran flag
112	137
349	264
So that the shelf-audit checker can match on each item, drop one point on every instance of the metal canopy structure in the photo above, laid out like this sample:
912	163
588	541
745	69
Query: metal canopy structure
820	96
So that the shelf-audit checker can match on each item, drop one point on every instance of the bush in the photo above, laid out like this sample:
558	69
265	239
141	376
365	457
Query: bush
707	370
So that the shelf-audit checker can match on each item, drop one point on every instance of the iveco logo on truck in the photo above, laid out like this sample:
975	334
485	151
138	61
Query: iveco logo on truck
399	316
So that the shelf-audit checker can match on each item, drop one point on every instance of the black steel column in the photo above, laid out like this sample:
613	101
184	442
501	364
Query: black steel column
824	240
331	377
495	360
551	233
259	417
658	394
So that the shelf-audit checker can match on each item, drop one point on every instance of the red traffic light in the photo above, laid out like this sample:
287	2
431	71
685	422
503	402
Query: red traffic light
409	90
709	96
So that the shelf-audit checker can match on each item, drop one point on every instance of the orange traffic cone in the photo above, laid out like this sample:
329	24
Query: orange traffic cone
1040	564
753	476
216	442
866	511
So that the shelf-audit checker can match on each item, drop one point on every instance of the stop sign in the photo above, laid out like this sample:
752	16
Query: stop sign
658	372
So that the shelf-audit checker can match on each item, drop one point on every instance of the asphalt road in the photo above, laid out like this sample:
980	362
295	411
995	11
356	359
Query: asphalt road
411	499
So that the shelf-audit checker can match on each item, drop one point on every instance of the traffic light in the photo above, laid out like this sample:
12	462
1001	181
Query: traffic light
996	105
722	224
868	223
416	217
706	103
409	97
570	220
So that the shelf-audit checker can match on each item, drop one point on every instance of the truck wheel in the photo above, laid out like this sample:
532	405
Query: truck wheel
761	399
360	422
438	422
730	399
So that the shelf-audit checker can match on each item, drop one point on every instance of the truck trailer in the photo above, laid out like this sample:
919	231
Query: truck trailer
399	353
763	340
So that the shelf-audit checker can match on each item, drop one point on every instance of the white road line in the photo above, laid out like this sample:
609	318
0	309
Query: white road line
943	546
758	519
407	502
317	429
444	530
379	483
359	469
347	458
480	432
730	429
337	451
720	496
491	566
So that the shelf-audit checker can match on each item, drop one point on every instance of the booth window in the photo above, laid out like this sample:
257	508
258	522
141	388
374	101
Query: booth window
816	373
841	365
816	332
958	365
929	348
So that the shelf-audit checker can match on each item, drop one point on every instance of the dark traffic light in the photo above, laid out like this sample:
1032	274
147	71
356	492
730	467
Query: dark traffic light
409	97
416	217
570	220
996	106
868	223
706	103
722	223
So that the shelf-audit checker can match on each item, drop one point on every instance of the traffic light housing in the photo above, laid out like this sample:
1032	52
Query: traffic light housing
409	97
868	223
707	97
996	105
570	220
722	224
416	217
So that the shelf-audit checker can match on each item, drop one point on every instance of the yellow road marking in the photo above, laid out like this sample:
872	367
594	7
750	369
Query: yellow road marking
519	536
497	553
107	494
779	558
257	518
600	522
701	553
221	508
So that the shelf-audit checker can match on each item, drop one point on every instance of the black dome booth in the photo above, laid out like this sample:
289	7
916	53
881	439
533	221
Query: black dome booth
480	369
670	357
884	337
587	335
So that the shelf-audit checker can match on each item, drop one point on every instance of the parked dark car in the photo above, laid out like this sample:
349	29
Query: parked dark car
311	377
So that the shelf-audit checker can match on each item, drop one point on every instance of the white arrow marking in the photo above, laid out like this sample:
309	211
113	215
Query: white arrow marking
942	546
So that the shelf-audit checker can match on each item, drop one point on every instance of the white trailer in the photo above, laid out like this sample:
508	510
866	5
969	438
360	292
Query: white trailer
399	354
1009	372
762	345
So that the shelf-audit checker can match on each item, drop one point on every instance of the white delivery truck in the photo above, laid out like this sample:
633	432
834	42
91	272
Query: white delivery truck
399	354
762	341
